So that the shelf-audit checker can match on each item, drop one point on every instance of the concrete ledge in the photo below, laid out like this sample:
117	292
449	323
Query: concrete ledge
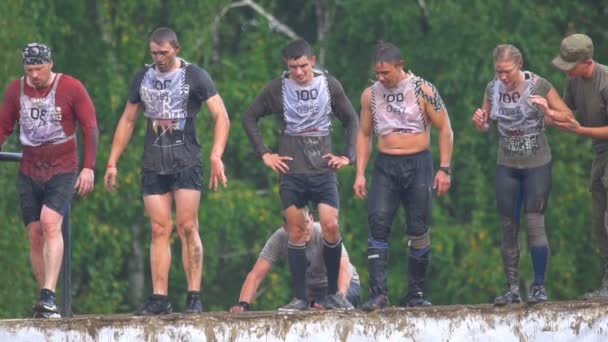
555	321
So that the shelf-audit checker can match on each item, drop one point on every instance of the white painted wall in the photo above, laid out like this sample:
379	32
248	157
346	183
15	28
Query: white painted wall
557	321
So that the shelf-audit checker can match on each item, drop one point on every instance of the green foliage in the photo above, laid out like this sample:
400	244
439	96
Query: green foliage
103	42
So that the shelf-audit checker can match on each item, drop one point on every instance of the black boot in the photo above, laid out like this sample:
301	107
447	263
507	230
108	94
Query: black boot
377	260
418	263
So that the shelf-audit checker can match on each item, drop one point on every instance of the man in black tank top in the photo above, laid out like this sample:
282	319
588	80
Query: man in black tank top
302	100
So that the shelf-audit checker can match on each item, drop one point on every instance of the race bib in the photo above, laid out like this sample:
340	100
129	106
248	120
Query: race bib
520	144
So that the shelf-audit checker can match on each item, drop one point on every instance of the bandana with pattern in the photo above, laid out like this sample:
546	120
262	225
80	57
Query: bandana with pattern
36	53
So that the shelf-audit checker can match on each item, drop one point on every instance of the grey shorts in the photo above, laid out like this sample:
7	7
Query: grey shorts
157	184
55	193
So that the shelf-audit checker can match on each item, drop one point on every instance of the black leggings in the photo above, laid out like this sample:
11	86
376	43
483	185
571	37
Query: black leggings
515	188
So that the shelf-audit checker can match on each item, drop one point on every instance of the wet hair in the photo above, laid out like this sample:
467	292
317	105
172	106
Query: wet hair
296	49
386	53
508	52
165	34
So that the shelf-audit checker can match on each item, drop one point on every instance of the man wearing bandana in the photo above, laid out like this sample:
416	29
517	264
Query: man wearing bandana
48	106
303	100
170	93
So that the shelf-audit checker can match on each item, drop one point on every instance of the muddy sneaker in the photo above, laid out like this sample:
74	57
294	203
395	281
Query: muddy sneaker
193	303
296	304
46	307
337	301
376	302
155	305
416	299
511	297
46	314
599	294
537	294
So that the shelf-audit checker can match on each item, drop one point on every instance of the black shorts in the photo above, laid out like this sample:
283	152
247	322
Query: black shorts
299	189
157	184
55	193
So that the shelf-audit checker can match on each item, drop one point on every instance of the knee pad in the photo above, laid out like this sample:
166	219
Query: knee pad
373	243
420	242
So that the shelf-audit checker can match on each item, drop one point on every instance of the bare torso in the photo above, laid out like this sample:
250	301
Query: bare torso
404	143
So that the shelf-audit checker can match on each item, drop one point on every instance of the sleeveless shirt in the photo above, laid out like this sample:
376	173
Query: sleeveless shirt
398	109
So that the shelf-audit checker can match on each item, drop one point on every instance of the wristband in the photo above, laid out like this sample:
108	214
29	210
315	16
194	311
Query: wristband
446	169
110	166
244	305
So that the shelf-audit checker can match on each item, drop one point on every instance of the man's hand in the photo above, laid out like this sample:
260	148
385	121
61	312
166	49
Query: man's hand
217	175
360	187
85	181
276	162
442	182
110	178
571	125
336	162
240	307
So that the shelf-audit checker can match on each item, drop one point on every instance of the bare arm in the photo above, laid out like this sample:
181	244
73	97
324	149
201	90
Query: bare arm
482	115
438	114
553	106
364	143
220	137
122	136
574	126
345	275
252	283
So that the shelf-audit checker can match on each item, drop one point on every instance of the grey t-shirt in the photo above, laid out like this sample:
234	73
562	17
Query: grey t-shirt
520	124
588	98
305	149
316	274
171	143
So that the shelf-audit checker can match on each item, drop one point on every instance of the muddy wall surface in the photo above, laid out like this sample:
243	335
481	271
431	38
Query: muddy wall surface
557	321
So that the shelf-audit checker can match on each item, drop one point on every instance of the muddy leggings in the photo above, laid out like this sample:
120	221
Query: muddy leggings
527	188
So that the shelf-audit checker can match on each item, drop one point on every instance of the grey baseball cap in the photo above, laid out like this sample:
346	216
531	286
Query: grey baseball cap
574	49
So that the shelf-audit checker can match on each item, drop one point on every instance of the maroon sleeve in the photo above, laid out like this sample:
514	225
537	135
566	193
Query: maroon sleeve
87	119
9	112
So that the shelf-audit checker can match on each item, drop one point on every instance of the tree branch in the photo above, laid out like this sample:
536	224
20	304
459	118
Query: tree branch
426	23
325	10
275	24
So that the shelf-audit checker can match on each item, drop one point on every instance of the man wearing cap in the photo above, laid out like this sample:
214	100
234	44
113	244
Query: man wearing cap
586	93
47	106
